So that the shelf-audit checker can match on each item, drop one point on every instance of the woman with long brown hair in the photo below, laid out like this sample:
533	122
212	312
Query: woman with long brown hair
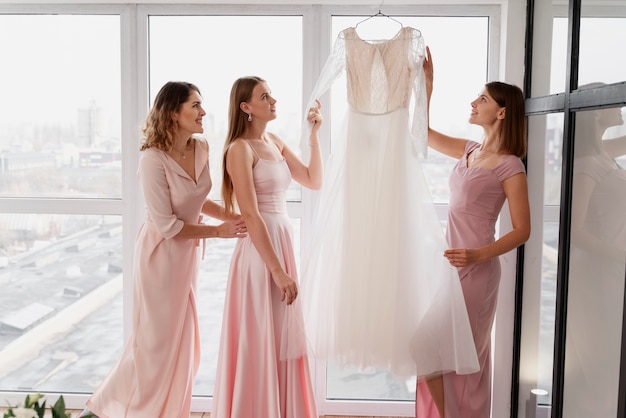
262	367
486	174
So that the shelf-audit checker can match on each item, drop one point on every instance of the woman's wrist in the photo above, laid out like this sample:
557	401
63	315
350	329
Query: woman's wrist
276	271
314	141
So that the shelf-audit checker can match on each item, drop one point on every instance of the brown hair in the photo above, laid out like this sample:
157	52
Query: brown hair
158	128
237	124
513	128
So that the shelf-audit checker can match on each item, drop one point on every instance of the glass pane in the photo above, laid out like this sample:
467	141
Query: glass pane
553	157
232	47
61	313
549	48
537	343
450	116
61	126
597	266
602	34
557	56
600	37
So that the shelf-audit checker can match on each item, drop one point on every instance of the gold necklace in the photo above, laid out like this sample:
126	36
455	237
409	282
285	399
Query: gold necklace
182	154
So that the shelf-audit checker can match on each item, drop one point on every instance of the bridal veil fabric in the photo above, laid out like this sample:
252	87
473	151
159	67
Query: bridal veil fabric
377	291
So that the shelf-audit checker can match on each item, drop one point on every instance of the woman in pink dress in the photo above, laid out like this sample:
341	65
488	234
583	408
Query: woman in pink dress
485	176
154	376
263	368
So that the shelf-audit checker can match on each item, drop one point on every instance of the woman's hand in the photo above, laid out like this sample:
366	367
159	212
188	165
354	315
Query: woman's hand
315	115
462	257
232	229
288	286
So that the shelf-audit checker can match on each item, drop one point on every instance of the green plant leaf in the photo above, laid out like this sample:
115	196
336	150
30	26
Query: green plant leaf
58	410
32	400
40	409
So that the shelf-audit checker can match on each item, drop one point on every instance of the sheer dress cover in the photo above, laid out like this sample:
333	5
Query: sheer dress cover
155	374
377	289
263	368
476	199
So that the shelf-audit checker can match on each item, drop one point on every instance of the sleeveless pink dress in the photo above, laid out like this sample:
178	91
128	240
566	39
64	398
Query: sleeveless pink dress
263	369
476	198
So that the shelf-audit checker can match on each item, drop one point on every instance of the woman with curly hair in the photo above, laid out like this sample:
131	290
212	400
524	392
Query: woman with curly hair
154	376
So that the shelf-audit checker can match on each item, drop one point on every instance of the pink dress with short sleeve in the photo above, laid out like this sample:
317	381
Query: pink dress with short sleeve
155	374
476	199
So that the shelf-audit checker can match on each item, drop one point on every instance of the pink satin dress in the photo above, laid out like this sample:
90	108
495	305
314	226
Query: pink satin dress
263	368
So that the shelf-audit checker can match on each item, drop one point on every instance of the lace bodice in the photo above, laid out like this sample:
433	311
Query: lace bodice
381	76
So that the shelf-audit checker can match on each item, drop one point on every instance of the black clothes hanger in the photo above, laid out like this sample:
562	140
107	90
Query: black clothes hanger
379	14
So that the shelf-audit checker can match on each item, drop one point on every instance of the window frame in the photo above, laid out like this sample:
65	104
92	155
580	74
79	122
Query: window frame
125	206
567	101
134	50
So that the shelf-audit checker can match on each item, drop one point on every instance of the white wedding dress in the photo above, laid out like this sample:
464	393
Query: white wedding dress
376	289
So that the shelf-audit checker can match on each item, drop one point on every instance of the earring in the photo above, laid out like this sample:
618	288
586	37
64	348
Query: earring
249	117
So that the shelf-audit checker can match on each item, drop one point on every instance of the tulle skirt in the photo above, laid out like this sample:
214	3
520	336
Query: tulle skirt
377	291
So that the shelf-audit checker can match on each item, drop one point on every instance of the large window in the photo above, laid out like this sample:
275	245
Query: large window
597	265
61	252
573	287
70	204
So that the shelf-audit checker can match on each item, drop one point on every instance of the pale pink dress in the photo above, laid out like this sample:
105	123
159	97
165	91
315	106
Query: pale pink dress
155	374
476	199
263	370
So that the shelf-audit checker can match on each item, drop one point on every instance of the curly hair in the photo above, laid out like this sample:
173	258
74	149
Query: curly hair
158	130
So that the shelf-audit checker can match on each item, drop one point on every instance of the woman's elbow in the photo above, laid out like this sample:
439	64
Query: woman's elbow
524	234
311	182
316	184
249	216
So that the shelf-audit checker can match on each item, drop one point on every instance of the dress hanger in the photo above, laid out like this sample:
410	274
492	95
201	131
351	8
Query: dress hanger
379	14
